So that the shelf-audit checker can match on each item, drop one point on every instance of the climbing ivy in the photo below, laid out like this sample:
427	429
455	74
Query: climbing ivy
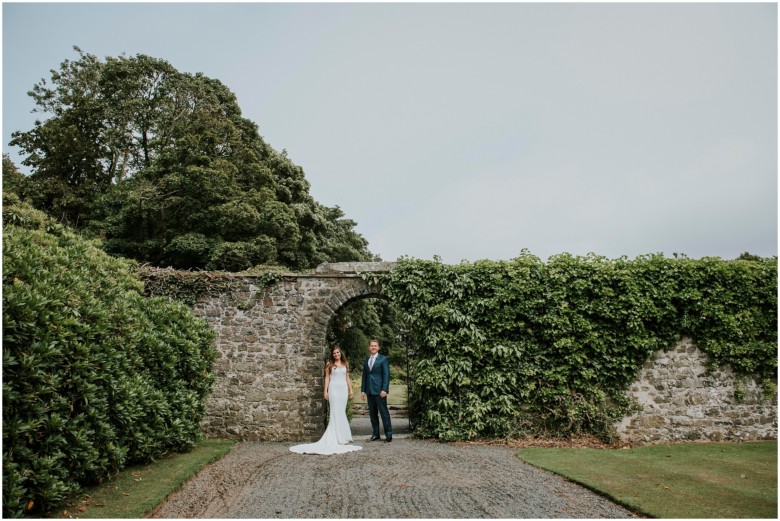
190	286
523	347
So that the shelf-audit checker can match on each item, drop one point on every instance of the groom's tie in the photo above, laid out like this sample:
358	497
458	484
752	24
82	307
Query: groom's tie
371	363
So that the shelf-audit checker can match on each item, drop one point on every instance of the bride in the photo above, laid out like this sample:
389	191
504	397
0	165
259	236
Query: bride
338	388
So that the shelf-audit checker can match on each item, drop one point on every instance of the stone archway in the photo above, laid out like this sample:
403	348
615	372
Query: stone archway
270	343
394	342
354	290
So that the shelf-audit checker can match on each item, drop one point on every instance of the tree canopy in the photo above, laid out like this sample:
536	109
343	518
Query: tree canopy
162	165
13	180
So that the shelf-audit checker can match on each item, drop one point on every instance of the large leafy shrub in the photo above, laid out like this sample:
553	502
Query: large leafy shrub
528	347
95	376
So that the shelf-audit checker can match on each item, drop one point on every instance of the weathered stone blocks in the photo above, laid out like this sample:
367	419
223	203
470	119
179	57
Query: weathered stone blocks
682	399
271	353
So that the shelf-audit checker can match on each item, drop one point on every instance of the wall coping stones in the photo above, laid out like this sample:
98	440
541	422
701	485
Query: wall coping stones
355	267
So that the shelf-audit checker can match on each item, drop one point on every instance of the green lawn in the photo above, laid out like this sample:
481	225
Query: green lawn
137	490
675	481
397	394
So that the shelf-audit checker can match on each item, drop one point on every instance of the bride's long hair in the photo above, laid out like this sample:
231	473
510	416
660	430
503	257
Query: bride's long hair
332	362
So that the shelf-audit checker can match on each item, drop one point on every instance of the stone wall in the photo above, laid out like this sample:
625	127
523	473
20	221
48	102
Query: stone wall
272	349
683	399
271	353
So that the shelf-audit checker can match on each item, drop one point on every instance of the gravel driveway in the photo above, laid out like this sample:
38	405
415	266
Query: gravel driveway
408	478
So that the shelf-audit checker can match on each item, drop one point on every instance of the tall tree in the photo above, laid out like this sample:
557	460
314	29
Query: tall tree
13	180
163	166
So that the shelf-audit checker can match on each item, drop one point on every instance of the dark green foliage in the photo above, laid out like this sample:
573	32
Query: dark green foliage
162	165
13	180
95	376
356	324
526	347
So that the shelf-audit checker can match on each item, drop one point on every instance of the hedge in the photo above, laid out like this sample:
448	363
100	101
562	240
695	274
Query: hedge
95	376
525	347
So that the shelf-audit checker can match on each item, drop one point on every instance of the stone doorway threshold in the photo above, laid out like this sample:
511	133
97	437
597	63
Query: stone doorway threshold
361	428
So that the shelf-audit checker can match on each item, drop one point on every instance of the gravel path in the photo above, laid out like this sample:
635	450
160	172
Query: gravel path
408	478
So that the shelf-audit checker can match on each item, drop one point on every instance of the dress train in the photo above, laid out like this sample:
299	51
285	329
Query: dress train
338	434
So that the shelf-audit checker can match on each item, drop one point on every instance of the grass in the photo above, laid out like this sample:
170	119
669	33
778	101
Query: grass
715	480
397	395
137	490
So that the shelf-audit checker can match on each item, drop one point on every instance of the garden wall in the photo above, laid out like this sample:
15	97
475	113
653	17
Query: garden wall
271	351
683	399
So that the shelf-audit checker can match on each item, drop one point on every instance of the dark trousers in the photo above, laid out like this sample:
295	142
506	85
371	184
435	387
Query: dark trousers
377	406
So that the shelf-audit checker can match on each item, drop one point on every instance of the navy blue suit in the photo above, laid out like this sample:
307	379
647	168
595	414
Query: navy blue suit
376	380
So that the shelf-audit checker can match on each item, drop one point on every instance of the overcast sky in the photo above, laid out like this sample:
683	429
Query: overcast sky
472	131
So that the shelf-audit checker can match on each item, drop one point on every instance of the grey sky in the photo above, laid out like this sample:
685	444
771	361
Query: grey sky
473	131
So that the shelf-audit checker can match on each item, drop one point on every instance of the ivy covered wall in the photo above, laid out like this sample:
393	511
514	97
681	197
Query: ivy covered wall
526	347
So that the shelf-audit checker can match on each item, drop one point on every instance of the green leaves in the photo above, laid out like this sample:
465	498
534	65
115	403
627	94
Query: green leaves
507	348
95	376
163	166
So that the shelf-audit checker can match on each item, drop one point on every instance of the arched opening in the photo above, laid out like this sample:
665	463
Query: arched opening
353	325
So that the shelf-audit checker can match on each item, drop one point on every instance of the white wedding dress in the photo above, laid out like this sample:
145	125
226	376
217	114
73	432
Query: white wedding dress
338	433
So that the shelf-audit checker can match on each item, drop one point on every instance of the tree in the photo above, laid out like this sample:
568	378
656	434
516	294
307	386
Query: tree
162	165
748	256
65	150
356	324
13	180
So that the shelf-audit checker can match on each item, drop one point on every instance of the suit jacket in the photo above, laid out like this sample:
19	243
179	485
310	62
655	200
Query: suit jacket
376	379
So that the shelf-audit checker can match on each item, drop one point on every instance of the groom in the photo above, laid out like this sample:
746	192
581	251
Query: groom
376	384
